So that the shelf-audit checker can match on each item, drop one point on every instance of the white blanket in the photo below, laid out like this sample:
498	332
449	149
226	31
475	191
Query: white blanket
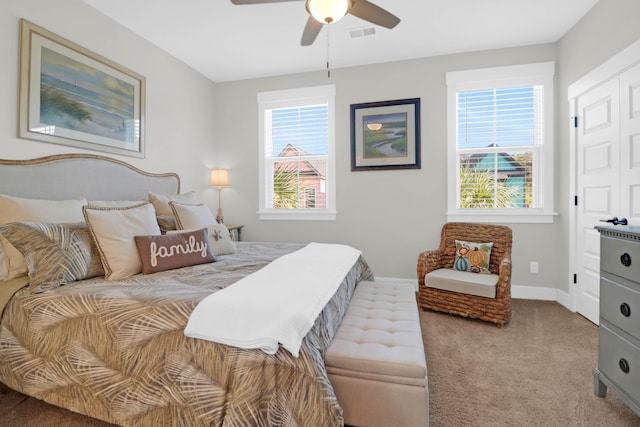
278	303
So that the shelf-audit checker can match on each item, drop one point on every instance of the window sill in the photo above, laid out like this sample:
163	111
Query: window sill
502	217
297	215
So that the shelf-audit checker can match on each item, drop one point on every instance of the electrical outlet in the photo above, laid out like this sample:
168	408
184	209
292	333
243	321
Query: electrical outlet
533	267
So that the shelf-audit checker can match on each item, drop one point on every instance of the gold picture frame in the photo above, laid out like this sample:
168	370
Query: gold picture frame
71	96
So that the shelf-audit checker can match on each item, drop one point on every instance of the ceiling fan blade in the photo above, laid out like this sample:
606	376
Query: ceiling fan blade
311	31
240	2
368	11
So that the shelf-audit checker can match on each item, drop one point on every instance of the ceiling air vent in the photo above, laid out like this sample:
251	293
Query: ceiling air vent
362	32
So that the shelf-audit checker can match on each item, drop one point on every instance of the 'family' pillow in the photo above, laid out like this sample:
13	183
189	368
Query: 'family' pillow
169	251
473	257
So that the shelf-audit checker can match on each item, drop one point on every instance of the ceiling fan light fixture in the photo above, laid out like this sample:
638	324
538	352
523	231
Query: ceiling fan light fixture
328	11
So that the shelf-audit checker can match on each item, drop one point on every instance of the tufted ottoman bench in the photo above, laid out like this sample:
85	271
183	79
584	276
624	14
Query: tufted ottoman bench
376	361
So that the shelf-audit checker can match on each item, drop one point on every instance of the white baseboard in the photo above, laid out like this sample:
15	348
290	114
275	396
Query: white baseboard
414	282
517	292
541	293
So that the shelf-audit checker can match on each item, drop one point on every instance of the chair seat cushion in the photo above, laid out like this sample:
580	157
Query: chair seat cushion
483	285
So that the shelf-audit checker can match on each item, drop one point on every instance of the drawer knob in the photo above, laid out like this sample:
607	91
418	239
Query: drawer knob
625	309
625	259
624	365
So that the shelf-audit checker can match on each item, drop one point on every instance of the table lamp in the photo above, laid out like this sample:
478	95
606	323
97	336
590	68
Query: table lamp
220	179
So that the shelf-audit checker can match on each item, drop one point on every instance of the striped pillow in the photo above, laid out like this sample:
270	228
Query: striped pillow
55	254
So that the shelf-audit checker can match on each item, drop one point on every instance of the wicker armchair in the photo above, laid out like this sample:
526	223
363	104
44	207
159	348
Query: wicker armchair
496	310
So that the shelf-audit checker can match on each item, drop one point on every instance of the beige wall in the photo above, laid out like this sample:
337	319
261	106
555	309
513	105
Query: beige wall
180	101
393	215
390	215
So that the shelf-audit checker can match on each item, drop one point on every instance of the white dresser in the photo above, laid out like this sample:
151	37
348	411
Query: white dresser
619	335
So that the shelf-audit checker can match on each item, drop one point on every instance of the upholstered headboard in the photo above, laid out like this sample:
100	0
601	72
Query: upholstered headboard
70	176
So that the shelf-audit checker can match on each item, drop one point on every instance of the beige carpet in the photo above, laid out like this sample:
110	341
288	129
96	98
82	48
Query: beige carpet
534	372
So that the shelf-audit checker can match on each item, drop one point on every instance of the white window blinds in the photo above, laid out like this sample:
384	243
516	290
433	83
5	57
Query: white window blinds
499	134
500	144
297	143
297	164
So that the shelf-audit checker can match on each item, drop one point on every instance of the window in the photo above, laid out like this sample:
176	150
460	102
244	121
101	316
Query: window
297	162
500	144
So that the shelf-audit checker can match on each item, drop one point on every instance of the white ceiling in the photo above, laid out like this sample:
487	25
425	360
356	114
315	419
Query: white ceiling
226	42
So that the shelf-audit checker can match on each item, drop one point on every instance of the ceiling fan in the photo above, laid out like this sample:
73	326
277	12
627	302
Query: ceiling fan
328	11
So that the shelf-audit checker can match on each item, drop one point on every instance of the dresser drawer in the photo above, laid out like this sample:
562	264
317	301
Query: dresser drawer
620	257
617	355
620	306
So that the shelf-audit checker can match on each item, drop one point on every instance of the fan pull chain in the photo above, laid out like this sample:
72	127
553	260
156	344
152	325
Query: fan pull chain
328	68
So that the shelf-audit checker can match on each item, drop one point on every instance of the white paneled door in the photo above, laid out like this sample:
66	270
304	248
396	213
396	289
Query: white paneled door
608	174
630	145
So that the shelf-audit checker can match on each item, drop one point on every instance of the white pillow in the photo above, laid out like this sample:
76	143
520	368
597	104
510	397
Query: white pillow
192	216
161	201
16	209
114	203
114	229
195	217
219	238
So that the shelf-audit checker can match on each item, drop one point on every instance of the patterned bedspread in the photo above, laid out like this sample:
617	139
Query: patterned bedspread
116	351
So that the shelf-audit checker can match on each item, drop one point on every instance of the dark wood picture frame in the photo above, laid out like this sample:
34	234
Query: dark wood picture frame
385	135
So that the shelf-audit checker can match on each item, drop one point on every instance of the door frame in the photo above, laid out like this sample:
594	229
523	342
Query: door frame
616	65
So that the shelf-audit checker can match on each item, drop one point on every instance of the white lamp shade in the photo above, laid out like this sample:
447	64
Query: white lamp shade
219	178
328	11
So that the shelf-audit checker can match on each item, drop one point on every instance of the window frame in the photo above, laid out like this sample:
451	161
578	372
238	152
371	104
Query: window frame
492	78
286	99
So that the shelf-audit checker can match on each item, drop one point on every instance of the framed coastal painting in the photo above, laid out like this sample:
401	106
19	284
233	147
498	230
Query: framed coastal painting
72	96
385	135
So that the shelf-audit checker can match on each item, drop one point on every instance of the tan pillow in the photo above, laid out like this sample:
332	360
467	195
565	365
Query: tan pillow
114	229
161	201
166	223
192	216
169	251
16	209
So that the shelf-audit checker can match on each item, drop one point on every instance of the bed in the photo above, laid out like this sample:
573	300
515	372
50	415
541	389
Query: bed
116	349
